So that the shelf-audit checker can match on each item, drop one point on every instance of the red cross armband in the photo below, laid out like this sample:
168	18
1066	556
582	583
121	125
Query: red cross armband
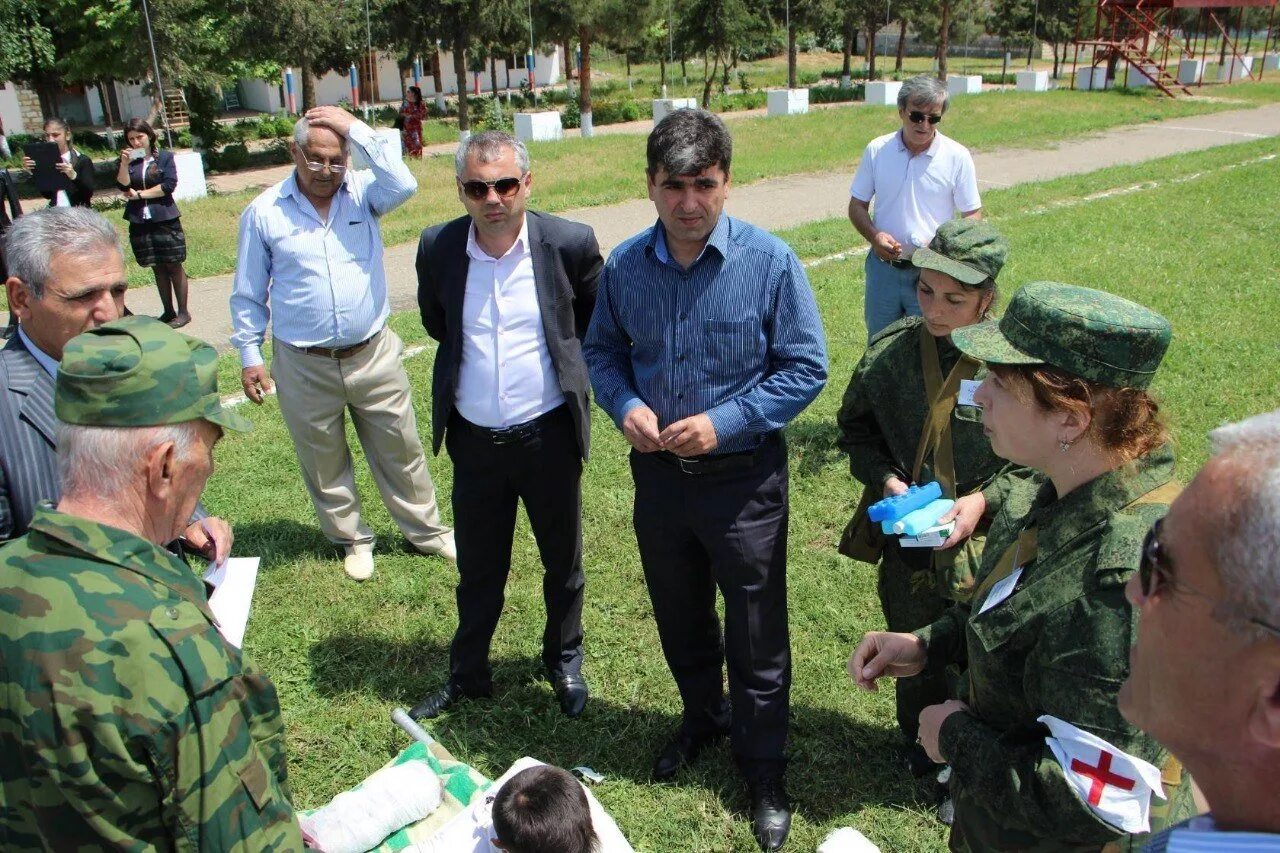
1116	786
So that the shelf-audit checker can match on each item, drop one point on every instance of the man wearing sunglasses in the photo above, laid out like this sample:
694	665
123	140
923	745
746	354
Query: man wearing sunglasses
1204	678
310	263
919	179
508	293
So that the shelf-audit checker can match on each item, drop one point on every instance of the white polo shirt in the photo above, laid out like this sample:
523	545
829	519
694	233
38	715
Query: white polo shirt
915	193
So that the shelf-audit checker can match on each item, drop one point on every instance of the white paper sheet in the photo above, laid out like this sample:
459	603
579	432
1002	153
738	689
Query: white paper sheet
233	583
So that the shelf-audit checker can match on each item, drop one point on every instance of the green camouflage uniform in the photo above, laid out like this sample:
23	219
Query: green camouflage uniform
1059	644
126	721
881	418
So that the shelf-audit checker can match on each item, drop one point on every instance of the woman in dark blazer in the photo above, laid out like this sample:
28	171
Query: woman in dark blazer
147	178
77	167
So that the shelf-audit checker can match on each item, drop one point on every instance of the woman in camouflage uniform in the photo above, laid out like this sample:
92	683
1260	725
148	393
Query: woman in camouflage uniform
1048	630
883	421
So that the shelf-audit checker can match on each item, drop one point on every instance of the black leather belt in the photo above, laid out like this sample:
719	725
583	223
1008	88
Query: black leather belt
717	463
337	352
512	434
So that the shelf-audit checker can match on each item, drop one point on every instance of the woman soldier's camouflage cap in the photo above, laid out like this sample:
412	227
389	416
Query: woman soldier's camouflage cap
138	372
1088	333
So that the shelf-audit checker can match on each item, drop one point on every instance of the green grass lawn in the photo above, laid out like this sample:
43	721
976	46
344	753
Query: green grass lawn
1187	235
607	169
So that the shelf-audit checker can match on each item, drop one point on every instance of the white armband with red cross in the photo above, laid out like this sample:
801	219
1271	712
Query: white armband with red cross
1116	786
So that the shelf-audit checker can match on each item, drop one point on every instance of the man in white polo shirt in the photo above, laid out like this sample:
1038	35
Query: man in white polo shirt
919	179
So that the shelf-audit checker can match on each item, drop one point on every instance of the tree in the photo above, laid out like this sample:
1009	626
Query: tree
311	35
27	51
1010	21
714	29
596	19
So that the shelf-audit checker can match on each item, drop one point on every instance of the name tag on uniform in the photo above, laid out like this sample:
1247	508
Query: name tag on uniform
968	387
1000	591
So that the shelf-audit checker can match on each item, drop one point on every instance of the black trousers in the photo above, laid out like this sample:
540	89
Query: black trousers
543	468
724	528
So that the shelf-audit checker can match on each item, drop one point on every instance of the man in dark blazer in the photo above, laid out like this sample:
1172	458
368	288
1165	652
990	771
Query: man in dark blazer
66	275
508	294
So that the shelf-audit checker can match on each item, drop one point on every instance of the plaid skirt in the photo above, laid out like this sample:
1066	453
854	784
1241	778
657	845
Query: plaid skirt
158	242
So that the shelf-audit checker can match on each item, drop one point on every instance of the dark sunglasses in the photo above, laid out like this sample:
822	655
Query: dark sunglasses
916	117
1155	574
504	187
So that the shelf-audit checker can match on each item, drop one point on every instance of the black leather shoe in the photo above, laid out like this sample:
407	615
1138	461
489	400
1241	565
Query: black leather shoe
440	701
681	750
770	813
572	692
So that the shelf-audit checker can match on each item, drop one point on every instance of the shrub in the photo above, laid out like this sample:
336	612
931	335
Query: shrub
495	118
572	115
835	94
997	79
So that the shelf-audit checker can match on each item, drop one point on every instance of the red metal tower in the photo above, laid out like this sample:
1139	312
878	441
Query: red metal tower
1144	34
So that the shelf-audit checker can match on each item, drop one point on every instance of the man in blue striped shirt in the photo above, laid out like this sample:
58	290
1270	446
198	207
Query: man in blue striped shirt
1204	675
705	342
310	263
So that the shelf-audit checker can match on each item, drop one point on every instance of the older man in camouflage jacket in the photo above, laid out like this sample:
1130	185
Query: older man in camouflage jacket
126	721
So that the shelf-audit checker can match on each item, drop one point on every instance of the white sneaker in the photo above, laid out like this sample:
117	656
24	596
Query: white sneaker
358	566
444	547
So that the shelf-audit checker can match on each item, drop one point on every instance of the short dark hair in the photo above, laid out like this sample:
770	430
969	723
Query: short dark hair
543	809
137	125
688	141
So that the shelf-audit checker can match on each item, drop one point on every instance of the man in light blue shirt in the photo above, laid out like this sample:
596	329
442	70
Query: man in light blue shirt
310	263
705	342
1204	675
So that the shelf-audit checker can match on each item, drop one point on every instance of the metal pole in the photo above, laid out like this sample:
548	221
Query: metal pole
155	65
1035	15
373	72
671	48
533	80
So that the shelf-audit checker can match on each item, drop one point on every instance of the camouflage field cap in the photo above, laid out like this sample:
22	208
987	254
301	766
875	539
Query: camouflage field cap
968	250
138	372
1091	334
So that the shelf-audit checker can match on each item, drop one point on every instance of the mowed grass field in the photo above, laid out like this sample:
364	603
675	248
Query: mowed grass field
577	173
1193	236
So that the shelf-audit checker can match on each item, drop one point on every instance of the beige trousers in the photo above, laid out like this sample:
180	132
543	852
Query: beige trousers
315	393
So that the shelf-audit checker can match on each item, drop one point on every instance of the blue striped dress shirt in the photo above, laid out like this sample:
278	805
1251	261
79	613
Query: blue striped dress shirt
318	282
737	335
1201	835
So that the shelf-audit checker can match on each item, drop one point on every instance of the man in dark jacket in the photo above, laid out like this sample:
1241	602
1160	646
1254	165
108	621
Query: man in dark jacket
509	293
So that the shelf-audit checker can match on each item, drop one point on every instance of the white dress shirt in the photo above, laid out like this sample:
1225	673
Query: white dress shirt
915	193
62	199
319	282
506	376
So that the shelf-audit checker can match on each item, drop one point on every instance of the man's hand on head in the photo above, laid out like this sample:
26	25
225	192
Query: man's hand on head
335	118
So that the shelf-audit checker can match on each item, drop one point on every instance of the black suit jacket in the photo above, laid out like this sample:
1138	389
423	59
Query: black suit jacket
28	426
566	265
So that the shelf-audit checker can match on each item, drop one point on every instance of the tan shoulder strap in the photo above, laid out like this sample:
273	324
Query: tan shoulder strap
936	436
1160	494
1021	552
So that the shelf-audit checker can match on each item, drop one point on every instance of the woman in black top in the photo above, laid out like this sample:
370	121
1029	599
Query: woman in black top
77	167
147	178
